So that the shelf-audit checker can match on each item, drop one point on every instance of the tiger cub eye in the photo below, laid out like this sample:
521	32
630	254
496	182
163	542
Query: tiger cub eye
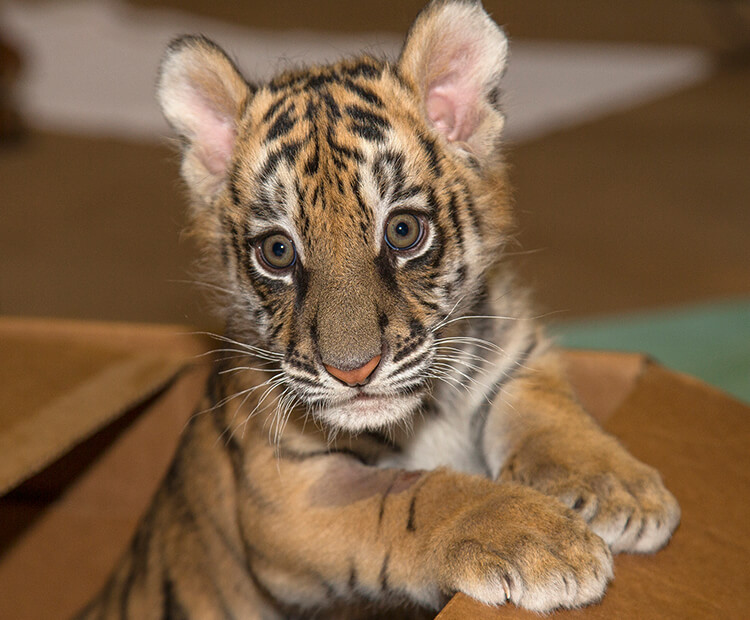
403	231
277	251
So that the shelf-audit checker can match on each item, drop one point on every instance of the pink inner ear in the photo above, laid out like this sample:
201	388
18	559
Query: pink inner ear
214	133
215	142
451	106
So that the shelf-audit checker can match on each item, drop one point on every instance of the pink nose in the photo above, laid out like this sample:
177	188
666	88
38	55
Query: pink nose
357	376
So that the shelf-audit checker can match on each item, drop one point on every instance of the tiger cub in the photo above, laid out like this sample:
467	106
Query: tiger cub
389	426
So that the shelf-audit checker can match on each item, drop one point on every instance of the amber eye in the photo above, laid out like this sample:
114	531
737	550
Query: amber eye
277	251
403	231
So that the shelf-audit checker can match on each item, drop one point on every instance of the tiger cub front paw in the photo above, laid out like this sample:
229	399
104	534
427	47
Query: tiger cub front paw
623	500
528	549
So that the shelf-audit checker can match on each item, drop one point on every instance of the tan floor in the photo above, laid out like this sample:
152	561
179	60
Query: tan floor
641	209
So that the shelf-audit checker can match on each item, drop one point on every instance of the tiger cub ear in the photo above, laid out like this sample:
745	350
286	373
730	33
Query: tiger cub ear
455	55
202	95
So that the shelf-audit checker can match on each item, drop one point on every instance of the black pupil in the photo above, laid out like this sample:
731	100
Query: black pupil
279	249
402	229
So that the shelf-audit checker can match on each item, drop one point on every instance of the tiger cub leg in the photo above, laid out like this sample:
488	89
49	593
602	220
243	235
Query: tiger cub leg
392	534
542	438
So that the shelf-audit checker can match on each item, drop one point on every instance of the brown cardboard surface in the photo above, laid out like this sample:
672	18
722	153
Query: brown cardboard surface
696	436
66	379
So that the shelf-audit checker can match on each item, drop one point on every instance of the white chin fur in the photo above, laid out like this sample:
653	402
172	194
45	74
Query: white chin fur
372	414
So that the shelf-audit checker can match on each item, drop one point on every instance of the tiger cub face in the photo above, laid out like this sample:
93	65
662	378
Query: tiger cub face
348	209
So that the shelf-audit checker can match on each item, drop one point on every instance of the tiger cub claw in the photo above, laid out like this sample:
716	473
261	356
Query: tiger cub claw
544	558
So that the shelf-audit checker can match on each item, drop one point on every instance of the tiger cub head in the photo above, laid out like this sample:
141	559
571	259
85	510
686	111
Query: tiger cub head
348	209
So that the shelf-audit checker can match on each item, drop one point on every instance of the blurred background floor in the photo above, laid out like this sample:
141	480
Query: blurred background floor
637	203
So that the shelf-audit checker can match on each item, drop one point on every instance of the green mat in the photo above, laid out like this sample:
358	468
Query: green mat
711	342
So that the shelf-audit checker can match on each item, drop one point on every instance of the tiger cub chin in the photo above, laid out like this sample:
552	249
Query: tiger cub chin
389	426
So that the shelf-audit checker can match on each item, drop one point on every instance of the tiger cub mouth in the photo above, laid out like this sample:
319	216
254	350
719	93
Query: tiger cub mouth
370	412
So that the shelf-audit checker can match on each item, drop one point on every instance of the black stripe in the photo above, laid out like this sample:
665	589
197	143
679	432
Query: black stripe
276	329
265	208
409	364
225	252
360	200
458	229
410	524
364	233
472	210
413	388
317	82
286	152
305	381
309	368
385	497
234	191
403	193
367	117
237	241
363	93
383	321
312	164
171	606
384	264
428	304
396	161
332	108
314	333
416	328
265	287
243	483
283	124
367	67
480	414
366	124
273	108
383	576
340	149
406	350
353	579
139	552
302	280
263	589
431	150
433	255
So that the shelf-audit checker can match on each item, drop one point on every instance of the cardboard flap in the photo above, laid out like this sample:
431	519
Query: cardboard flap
602	380
66	380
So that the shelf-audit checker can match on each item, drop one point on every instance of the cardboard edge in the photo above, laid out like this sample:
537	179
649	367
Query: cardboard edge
616	376
176	338
116	389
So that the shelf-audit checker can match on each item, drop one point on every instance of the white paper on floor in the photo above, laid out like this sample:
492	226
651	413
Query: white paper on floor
92	65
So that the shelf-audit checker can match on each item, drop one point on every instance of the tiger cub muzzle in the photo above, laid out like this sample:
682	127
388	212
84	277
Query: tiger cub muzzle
356	345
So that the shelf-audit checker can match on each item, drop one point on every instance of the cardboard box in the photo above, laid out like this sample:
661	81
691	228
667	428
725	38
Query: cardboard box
91	413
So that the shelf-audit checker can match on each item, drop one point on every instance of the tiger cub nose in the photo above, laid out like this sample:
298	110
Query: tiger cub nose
356	376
